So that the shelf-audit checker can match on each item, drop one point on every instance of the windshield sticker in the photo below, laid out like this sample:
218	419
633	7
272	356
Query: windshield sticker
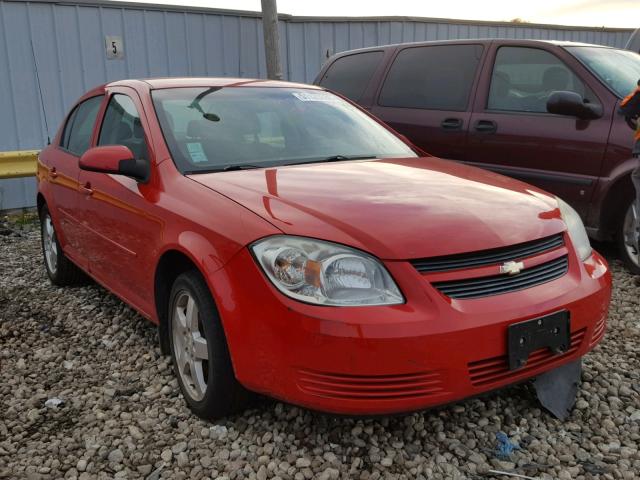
196	152
315	97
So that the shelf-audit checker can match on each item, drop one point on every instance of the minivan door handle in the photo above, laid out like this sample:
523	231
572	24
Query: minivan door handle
486	126
451	124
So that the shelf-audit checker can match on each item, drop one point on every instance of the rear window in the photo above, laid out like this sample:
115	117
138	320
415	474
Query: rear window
350	75
436	77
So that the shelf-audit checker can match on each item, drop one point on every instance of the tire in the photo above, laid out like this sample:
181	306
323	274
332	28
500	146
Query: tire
624	238
199	351
60	269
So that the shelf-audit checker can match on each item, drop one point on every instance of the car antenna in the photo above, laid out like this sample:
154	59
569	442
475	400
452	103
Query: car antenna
44	112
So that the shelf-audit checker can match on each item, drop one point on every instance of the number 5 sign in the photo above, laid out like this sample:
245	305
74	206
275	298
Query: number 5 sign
114	47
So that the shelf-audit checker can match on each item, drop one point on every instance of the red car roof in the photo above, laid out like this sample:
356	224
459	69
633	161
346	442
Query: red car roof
176	82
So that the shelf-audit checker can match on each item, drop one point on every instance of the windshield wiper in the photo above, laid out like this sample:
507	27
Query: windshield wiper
335	158
228	168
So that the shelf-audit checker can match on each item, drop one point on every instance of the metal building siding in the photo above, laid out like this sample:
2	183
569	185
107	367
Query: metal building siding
160	40
316	38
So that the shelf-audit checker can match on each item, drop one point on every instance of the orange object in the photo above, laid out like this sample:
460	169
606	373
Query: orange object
626	100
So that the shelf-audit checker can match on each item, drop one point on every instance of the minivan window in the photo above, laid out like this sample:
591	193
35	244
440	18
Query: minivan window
122	126
77	132
523	78
436	77
350	75
618	69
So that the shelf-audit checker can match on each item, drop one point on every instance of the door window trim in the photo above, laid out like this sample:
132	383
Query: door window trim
71	117
141	115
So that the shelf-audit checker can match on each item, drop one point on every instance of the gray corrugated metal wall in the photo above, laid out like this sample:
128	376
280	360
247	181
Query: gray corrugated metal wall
66	41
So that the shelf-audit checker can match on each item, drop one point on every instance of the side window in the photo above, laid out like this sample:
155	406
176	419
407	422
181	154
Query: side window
523	78
438	77
122	126
77	132
350	75
67	129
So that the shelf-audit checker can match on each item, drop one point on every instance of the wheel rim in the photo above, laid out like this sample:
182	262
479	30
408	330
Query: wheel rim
630	232
190	346
50	244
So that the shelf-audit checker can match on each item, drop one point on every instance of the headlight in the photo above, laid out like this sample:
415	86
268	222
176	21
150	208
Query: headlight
577	233
325	273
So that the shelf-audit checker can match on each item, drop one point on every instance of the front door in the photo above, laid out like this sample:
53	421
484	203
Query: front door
121	231
427	93
512	133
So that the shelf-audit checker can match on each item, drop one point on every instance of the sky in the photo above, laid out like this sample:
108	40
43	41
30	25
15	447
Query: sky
591	13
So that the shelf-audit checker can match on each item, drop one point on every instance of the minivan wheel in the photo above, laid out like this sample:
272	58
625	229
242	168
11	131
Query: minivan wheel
627	237
60	269
199	351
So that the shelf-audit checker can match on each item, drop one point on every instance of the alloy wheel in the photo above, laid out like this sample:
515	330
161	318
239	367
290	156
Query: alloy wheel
190	346
50	244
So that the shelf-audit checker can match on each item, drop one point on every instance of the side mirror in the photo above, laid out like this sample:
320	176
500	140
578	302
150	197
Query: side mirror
115	159
572	103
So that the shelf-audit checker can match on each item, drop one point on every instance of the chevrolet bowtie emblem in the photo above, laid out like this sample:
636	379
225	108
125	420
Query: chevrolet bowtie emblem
511	268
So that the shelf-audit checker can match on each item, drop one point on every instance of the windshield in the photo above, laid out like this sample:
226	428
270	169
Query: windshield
618	69
209	129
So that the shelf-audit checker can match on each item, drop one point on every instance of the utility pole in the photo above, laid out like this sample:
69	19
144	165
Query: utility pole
271	39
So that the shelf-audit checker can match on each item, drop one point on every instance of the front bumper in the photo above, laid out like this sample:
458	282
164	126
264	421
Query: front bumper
429	351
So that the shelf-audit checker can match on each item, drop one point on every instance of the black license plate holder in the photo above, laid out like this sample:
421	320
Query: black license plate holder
551	331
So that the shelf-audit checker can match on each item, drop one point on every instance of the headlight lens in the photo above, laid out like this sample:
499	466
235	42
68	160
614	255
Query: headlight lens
576	229
325	273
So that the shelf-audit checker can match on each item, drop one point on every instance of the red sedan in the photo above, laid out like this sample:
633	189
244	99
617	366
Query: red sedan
286	242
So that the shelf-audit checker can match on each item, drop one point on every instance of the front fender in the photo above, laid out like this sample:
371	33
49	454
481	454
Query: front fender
202	255
611	192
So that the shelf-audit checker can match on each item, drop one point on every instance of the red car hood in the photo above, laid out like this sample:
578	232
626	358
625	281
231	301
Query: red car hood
394	208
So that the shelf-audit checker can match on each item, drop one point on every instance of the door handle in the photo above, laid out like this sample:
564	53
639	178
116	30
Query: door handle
486	126
451	124
53	173
86	189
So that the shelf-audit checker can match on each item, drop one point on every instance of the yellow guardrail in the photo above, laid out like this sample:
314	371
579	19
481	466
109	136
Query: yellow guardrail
17	164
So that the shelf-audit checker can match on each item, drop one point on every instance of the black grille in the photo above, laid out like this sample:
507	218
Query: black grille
485	286
488	257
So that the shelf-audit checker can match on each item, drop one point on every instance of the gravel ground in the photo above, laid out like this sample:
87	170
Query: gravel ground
122	415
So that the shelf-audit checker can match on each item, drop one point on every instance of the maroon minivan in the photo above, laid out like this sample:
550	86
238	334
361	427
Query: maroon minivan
544	112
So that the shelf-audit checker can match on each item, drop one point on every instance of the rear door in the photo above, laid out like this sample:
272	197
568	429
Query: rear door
512	133
427	96
64	170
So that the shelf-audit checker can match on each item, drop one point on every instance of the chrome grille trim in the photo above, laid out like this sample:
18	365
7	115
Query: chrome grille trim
489	257
499	284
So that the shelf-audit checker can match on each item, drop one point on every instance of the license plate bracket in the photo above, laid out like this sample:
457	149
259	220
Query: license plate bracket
551	331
